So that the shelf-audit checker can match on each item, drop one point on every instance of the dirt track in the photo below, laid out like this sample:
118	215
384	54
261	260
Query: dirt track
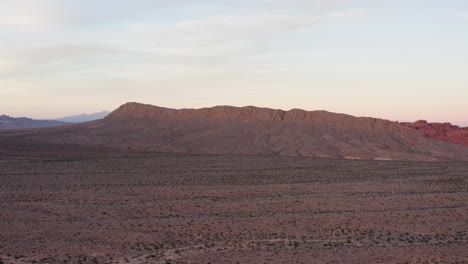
63	204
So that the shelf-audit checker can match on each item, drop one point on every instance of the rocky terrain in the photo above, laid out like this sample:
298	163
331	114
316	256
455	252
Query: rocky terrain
250	131
8	122
441	131
75	204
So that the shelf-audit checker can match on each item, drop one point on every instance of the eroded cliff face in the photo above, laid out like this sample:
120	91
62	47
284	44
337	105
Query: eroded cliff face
253	114
252	131
136	110
441	131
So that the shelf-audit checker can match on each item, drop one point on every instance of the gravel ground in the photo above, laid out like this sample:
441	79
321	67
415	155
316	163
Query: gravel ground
67	204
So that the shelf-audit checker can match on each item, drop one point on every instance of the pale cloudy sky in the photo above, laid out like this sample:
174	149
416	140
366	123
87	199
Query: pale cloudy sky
394	59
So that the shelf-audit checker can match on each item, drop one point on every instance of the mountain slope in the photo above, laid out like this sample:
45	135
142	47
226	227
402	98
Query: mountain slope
441	131
8	122
84	117
252	130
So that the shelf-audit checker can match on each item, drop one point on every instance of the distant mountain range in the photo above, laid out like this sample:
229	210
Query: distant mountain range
251	131
84	117
8	122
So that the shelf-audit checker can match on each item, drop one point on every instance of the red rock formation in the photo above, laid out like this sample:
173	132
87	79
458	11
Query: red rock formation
441	131
251	131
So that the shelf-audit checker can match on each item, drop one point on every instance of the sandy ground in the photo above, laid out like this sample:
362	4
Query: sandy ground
64	204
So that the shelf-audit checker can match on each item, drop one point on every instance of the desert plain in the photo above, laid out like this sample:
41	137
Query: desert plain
76	204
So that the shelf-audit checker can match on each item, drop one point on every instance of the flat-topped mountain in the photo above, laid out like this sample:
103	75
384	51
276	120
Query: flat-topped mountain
8	122
441	131
247	113
251	131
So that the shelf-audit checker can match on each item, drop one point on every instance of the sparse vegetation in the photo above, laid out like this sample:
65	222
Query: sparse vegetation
65	203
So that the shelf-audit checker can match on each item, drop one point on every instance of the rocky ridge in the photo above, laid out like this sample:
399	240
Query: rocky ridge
251	131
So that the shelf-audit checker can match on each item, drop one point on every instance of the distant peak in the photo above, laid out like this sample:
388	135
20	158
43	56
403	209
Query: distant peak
84	117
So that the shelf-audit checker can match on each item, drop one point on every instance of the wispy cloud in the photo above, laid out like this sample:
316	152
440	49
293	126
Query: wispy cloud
188	43
53	48
220	30
93	52
30	15
9	65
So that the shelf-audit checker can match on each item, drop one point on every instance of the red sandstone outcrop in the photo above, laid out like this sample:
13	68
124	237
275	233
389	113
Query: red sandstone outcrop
441	131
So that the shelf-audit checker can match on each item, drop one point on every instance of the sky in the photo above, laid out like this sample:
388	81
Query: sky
401	60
